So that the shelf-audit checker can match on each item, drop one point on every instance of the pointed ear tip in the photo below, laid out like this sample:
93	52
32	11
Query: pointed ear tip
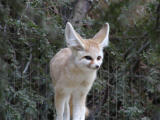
68	23
107	24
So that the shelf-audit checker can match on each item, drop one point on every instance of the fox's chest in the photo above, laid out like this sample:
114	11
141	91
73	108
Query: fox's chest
80	80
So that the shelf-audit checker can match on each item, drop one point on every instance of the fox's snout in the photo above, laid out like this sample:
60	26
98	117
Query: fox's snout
94	65
97	66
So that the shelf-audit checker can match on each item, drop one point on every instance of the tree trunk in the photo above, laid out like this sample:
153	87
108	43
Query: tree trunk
80	11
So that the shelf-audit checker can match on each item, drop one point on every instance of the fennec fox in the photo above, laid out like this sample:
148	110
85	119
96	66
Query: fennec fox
73	71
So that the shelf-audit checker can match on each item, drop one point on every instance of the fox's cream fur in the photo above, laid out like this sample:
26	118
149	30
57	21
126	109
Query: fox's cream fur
73	71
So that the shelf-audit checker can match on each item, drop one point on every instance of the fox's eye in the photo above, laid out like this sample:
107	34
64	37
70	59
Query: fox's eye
88	57
99	57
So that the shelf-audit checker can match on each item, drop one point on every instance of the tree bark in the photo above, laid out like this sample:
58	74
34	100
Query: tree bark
80	10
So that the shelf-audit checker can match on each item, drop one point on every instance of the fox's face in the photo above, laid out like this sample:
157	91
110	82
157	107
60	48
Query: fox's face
87	53
90	58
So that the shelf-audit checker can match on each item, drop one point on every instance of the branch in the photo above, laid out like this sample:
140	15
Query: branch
136	57
146	44
158	16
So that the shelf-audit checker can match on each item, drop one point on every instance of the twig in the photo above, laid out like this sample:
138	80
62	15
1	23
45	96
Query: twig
128	51
28	63
145	46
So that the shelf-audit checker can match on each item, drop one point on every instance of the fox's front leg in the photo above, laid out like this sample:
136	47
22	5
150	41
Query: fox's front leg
67	109
60	98
79	99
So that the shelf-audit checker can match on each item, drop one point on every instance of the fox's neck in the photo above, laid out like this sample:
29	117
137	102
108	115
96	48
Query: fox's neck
81	74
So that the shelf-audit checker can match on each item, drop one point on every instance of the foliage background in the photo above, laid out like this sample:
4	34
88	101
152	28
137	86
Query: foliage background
32	31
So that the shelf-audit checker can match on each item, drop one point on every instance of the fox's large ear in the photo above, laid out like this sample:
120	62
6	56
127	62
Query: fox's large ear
73	39
102	37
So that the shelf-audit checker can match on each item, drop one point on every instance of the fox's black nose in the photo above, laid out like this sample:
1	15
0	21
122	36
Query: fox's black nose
97	66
